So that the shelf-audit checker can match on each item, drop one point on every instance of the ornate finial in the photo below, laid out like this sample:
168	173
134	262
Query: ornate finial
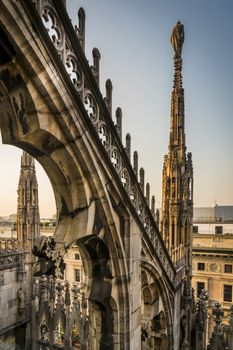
119	121
153	206
108	98
84	300
128	145
218	313
43	288
148	193
177	39
135	163
75	291
157	217
201	317
52	288
96	64
217	340
67	293
189	157
59	288
81	27
142	177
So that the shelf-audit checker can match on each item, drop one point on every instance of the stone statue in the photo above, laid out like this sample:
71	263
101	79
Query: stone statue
177	38
183	330
21	301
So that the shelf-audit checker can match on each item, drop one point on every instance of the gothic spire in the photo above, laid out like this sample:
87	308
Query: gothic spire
177	135
177	169
28	218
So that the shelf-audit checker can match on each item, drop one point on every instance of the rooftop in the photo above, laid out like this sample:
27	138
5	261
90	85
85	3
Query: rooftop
218	213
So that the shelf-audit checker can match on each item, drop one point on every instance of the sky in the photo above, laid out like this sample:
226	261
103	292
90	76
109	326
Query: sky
133	37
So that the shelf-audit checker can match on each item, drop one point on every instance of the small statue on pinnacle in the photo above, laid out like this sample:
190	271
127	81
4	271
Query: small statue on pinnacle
177	39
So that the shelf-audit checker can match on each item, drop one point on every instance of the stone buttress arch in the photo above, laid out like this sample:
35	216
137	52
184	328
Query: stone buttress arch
37	116
164	292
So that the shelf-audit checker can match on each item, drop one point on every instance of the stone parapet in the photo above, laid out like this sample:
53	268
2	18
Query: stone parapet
10	253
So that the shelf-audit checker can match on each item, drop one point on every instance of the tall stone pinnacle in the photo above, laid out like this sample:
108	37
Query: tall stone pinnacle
177	169
177	134
28	218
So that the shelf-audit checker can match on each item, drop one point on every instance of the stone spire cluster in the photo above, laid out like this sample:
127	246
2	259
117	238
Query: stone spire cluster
177	183
28	217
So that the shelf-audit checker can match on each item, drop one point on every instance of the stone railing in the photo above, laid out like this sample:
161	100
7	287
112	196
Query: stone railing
10	252
69	43
9	245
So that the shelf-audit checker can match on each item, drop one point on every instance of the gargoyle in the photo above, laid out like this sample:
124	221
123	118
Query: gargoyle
50	257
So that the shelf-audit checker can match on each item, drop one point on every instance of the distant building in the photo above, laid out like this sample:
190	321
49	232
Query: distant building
74	271
7	230
213	220
213	257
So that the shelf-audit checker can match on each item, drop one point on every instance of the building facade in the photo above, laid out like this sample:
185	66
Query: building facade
213	258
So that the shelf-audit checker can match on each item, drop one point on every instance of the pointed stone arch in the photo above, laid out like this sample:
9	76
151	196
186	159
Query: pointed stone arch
158	296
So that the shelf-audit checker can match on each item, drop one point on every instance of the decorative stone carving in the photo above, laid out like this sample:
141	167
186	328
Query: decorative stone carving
214	267
90	106
51	23
71	66
104	135
62	318
50	256
125	178
115	159
217	341
134	196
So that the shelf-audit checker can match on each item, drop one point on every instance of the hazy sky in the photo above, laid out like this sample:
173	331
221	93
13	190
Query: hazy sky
133	37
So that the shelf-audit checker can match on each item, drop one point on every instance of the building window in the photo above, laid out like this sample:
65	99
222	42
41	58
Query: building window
201	266
195	229
200	287
227	293
77	256
218	230
77	275
228	268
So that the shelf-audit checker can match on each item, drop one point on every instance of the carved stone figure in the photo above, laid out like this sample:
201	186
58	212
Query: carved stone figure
21	300
177	38
44	332
183	329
